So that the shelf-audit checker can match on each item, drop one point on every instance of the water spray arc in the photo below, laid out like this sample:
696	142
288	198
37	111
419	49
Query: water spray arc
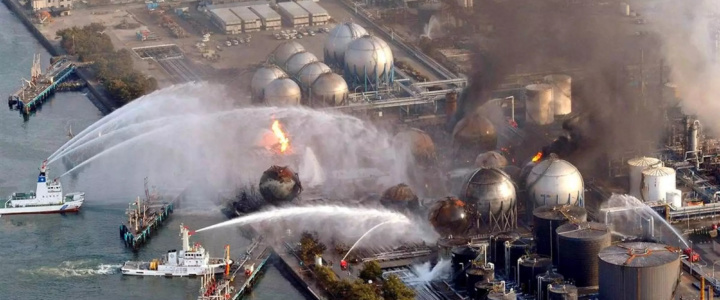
370	231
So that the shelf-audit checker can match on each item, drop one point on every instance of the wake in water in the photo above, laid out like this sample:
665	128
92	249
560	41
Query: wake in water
426	273
82	268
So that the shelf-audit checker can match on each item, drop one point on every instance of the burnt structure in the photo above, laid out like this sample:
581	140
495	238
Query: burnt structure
279	185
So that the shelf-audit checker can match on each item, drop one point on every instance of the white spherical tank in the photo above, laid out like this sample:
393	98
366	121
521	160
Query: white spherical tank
262	77
297	61
310	72
636	166
553	182
538	104
562	93
283	52
674	198
338	40
656	182
282	92
369	58
329	89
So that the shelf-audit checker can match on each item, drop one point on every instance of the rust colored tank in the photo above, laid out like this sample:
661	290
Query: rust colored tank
449	216
421	145
475	131
491	159
399	197
279	184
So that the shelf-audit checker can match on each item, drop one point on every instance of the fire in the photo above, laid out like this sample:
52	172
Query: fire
282	139
537	157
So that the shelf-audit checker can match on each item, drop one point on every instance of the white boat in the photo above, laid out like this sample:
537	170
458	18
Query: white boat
47	198
189	261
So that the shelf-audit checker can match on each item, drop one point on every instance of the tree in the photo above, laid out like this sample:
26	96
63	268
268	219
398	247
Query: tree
310	246
394	289
371	271
325	275
363	291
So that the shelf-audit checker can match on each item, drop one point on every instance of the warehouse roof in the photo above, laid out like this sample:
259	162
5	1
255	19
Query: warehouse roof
312	7
265	12
244	13
293	9
227	17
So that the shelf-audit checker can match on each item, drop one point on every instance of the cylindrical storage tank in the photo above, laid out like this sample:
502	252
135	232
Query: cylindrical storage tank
297	61
513	252
547	219
462	258
694	137
529	267
282	92
538	104
497	248
329	89
447	244
562	93
656	182
310	72
477	274
279	185
283	52
483	288
369	59
262	77
449	217
578	248
553	182
675	198
546	279
338	40
636	166
638	271
488	191
502	296
562	292
491	159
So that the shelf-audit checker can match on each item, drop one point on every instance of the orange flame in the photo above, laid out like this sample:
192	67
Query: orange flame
537	157
282	139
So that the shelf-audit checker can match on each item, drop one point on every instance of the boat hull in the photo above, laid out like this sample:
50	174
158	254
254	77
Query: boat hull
173	272
45	209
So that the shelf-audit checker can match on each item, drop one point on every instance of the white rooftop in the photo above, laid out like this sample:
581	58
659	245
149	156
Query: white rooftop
312	7
244	13
228	17
265	12
293	9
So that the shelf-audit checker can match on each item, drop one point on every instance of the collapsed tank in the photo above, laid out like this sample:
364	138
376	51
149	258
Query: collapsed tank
491	159
400	197
420	145
279	184
449	217
472	135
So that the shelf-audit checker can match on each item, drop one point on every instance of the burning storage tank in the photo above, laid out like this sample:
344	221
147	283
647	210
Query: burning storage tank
636	166
400	197
562	93
657	182
642	271
297	61
329	89
369	60
553	182
529	268
449	217
538	104
578	246
491	159
284	51
262	77
310	72
420	145
282	92
547	219
338	40
562	291
279	185
490	195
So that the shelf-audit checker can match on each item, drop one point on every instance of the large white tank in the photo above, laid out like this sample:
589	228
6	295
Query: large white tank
538	104
674	198
338	40
656	182
553	182
329	89
370	58
283	52
297	61
636	166
562	93
282	92
694	137
310	72
262	77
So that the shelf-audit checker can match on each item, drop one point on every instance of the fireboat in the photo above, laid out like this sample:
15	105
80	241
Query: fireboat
47	198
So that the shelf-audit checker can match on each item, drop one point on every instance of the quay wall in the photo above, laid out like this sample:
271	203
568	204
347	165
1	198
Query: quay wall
287	269
96	96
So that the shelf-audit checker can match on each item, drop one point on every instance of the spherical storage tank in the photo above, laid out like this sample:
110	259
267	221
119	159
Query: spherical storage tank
636	166
490	159
656	182
283	52
476	132
310	72
399	196
262	77
449	216
369	59
561	90
282	92
420	144
538	104
297	61
546	219
338	40
488	191
578	248
330	89
279	184
554	181
638	271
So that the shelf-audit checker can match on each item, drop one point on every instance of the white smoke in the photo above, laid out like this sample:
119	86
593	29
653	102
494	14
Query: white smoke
426	273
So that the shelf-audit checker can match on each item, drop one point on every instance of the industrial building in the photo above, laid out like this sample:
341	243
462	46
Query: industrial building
64	5
318	15
250	21
270	19
293	15
227	21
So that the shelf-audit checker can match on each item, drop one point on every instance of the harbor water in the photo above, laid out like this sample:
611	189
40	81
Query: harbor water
78	256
